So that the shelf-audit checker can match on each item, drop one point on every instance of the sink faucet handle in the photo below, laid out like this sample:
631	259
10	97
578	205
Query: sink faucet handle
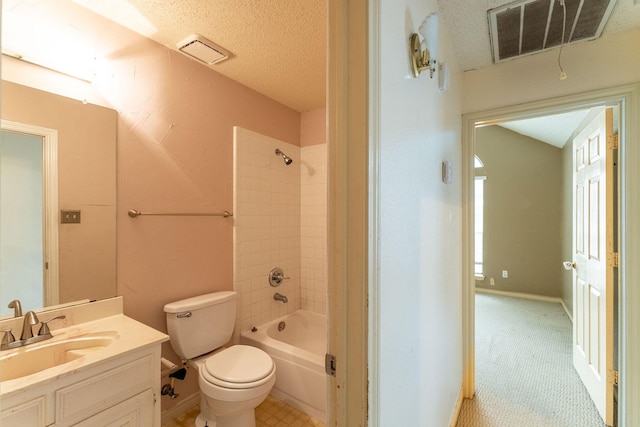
17	308
44	329
8	336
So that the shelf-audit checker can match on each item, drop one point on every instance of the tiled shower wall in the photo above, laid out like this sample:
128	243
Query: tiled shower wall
279	221
266	227
313	231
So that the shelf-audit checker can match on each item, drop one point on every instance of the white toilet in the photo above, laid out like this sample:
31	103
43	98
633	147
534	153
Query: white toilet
233	380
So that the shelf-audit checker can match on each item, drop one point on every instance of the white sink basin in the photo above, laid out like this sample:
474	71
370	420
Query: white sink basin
28	360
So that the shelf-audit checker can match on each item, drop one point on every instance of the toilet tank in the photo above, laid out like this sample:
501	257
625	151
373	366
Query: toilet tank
201	324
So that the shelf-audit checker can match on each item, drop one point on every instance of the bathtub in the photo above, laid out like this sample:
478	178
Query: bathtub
298	352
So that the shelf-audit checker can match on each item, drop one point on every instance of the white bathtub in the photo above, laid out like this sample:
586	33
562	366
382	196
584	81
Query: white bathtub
298	351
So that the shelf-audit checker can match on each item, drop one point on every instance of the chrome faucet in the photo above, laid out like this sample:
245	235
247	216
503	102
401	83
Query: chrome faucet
26	338
279	297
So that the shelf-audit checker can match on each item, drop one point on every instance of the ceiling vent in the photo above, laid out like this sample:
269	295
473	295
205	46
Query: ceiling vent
531	26
202	49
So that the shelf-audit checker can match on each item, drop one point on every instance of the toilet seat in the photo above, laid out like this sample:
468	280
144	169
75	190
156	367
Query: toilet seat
238	367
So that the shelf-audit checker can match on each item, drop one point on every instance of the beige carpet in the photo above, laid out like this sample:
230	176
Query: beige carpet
524	373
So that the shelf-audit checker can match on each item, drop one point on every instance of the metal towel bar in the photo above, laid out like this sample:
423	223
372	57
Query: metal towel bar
134	213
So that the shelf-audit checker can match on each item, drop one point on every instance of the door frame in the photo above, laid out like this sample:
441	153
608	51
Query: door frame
348	214
629	229
49	204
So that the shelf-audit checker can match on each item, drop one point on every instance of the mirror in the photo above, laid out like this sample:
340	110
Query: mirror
86	170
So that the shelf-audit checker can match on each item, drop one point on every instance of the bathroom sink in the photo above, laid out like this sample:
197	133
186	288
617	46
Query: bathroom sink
31	359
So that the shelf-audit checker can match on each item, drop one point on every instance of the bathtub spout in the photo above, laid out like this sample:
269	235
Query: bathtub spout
279	297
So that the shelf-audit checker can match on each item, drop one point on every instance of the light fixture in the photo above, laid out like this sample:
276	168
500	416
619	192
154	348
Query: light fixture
424	53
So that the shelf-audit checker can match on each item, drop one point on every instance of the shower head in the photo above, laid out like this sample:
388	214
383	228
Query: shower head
287	160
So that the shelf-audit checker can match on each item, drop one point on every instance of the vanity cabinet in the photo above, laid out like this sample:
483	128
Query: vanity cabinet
120	391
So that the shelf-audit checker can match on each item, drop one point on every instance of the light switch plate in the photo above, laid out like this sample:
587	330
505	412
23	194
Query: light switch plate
69	217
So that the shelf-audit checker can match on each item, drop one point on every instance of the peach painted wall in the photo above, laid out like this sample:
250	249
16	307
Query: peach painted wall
313	127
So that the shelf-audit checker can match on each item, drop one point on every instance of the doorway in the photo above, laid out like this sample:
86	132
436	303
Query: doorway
526	167
627	98
29	214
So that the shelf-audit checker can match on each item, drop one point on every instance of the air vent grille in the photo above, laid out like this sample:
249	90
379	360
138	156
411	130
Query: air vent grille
531	26
202	49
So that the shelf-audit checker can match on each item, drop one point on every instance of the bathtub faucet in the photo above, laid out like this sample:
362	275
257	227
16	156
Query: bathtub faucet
279	297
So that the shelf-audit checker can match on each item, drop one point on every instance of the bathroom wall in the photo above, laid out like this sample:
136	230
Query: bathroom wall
313	211
266	227
280	221
313	231
522	212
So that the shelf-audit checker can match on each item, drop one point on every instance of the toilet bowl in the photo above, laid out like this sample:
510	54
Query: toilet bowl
233	380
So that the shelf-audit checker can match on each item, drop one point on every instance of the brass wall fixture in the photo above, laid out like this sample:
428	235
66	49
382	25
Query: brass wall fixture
423	53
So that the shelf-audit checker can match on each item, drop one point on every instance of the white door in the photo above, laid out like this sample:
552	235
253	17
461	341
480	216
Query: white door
593	242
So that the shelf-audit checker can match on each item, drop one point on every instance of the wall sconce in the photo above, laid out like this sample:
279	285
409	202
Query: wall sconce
424	53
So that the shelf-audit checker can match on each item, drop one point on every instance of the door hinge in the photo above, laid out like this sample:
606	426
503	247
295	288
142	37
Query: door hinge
612	142
330	364
613	259
613	377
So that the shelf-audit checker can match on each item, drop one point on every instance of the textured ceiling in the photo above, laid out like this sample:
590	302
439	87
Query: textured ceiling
277	46
534	25
468	27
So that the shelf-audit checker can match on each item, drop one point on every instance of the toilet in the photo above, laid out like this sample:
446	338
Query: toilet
233	380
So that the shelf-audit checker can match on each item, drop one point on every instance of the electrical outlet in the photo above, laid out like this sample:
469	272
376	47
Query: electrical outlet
492	282
505	274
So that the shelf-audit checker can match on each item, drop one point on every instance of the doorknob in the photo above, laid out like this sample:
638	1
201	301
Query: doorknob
568	265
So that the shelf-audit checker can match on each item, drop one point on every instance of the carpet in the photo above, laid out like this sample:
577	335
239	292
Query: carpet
524	371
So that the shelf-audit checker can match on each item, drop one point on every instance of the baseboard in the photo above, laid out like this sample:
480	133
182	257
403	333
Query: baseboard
519	295
184	406
566	310
456	411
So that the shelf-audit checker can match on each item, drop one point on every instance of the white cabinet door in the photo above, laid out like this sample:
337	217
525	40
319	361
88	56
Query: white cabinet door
593	275
30	413
134	412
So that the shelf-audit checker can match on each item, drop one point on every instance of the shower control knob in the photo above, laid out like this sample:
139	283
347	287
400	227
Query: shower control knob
276	276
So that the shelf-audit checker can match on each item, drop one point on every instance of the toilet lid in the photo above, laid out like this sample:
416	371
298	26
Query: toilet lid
238	365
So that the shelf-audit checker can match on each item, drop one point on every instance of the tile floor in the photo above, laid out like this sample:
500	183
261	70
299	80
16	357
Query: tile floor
271	413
